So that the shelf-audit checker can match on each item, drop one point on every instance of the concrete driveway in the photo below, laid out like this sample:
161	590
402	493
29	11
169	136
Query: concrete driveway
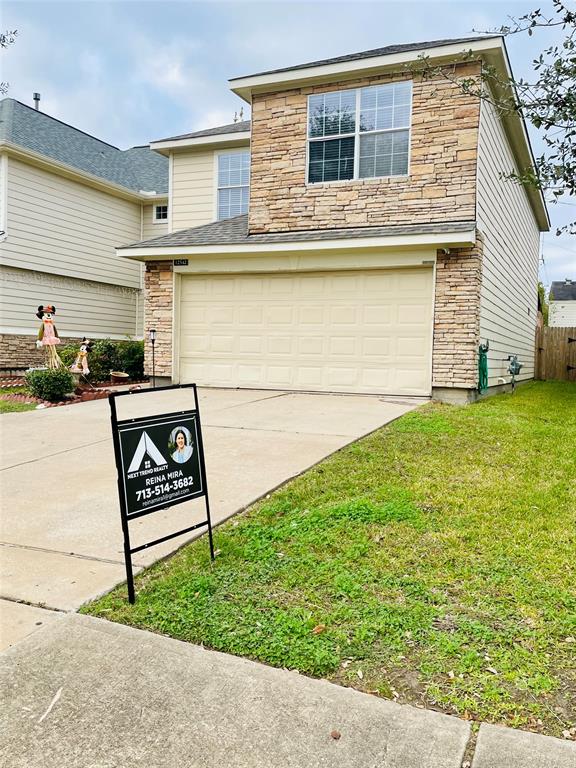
60	535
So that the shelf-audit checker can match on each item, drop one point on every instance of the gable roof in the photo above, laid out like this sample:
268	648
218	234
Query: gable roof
239	127
234	231
386	51
563	290
138	169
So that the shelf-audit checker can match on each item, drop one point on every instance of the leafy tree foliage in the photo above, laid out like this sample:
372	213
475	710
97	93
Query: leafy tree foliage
6	39
547	100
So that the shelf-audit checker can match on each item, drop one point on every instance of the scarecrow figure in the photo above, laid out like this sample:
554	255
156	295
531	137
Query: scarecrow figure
81	363
48	336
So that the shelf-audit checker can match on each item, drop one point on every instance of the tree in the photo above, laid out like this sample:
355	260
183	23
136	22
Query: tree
6	39
547	100
543	302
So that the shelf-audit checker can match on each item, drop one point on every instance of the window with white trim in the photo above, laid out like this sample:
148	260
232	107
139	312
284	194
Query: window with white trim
359	134
160	213
233	184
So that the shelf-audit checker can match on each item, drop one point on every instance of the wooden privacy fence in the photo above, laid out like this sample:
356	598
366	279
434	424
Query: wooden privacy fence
556	354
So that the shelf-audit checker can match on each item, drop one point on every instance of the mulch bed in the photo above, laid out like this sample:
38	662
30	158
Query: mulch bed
99	391
78	398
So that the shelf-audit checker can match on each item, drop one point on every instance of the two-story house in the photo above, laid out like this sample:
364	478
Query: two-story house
67	200
359	235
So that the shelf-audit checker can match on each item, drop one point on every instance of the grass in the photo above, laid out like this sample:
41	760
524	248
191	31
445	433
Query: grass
7	406
432	562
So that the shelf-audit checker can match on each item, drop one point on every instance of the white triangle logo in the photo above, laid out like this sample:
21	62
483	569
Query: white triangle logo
146	447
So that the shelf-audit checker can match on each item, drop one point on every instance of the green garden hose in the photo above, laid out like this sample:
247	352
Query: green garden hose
482	368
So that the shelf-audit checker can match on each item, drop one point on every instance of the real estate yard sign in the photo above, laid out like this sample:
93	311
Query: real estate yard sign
156	472
160	462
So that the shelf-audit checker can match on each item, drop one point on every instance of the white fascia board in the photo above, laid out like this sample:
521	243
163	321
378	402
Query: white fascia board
441	240
221	139
69	171
244	86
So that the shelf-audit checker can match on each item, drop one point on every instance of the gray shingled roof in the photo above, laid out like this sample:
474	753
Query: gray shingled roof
240	127
138	169
564	290
235	232
387	51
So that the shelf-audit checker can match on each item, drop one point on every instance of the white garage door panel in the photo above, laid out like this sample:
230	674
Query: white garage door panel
340	331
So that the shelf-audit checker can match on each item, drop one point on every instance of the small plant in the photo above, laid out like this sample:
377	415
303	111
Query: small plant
50	384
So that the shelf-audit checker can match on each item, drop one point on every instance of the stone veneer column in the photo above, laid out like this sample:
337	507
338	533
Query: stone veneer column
158	313
457	320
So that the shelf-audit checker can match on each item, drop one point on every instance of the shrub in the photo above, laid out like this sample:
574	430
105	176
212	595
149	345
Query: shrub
50	384
131	358
107	355
102	359
68	354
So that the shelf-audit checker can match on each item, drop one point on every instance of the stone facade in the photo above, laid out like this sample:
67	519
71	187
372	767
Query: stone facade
158	313
441	185
18	351
457	317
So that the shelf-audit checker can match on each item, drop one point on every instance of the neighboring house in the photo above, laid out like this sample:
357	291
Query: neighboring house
377	242
562	304
67	200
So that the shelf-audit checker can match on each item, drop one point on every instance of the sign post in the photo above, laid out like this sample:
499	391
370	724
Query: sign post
160	463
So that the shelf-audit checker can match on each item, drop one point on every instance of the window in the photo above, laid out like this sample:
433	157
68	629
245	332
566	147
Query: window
160	213
359	134
233	184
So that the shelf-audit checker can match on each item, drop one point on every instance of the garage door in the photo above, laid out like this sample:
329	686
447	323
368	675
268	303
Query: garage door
367	332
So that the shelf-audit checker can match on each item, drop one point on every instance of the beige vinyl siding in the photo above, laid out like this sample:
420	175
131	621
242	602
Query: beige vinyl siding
193	189
562	314
63	227
508	305
3	191
83	307
149	227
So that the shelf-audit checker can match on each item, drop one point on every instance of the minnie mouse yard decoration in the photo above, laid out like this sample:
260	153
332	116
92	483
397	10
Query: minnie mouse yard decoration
80	365
48	335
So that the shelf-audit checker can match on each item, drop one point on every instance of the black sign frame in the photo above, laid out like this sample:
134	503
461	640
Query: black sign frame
126	513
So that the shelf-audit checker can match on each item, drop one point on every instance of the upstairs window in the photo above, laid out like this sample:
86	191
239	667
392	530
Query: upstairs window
359	134
233	184
331	115
160	213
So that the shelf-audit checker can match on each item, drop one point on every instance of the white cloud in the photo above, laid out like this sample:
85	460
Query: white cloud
170	66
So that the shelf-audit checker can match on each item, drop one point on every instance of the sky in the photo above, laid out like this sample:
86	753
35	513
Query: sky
130	72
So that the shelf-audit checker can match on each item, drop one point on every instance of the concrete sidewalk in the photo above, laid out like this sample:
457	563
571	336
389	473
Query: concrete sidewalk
61	540
85	693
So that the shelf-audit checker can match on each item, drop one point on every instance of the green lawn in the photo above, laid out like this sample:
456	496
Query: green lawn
8	406
433	562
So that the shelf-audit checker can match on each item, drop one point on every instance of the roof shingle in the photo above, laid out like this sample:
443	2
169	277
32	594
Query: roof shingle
387	51
563	290
240	127
235	232
137	169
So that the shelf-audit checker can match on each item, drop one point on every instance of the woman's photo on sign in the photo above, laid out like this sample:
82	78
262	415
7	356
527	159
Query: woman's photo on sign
180	445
